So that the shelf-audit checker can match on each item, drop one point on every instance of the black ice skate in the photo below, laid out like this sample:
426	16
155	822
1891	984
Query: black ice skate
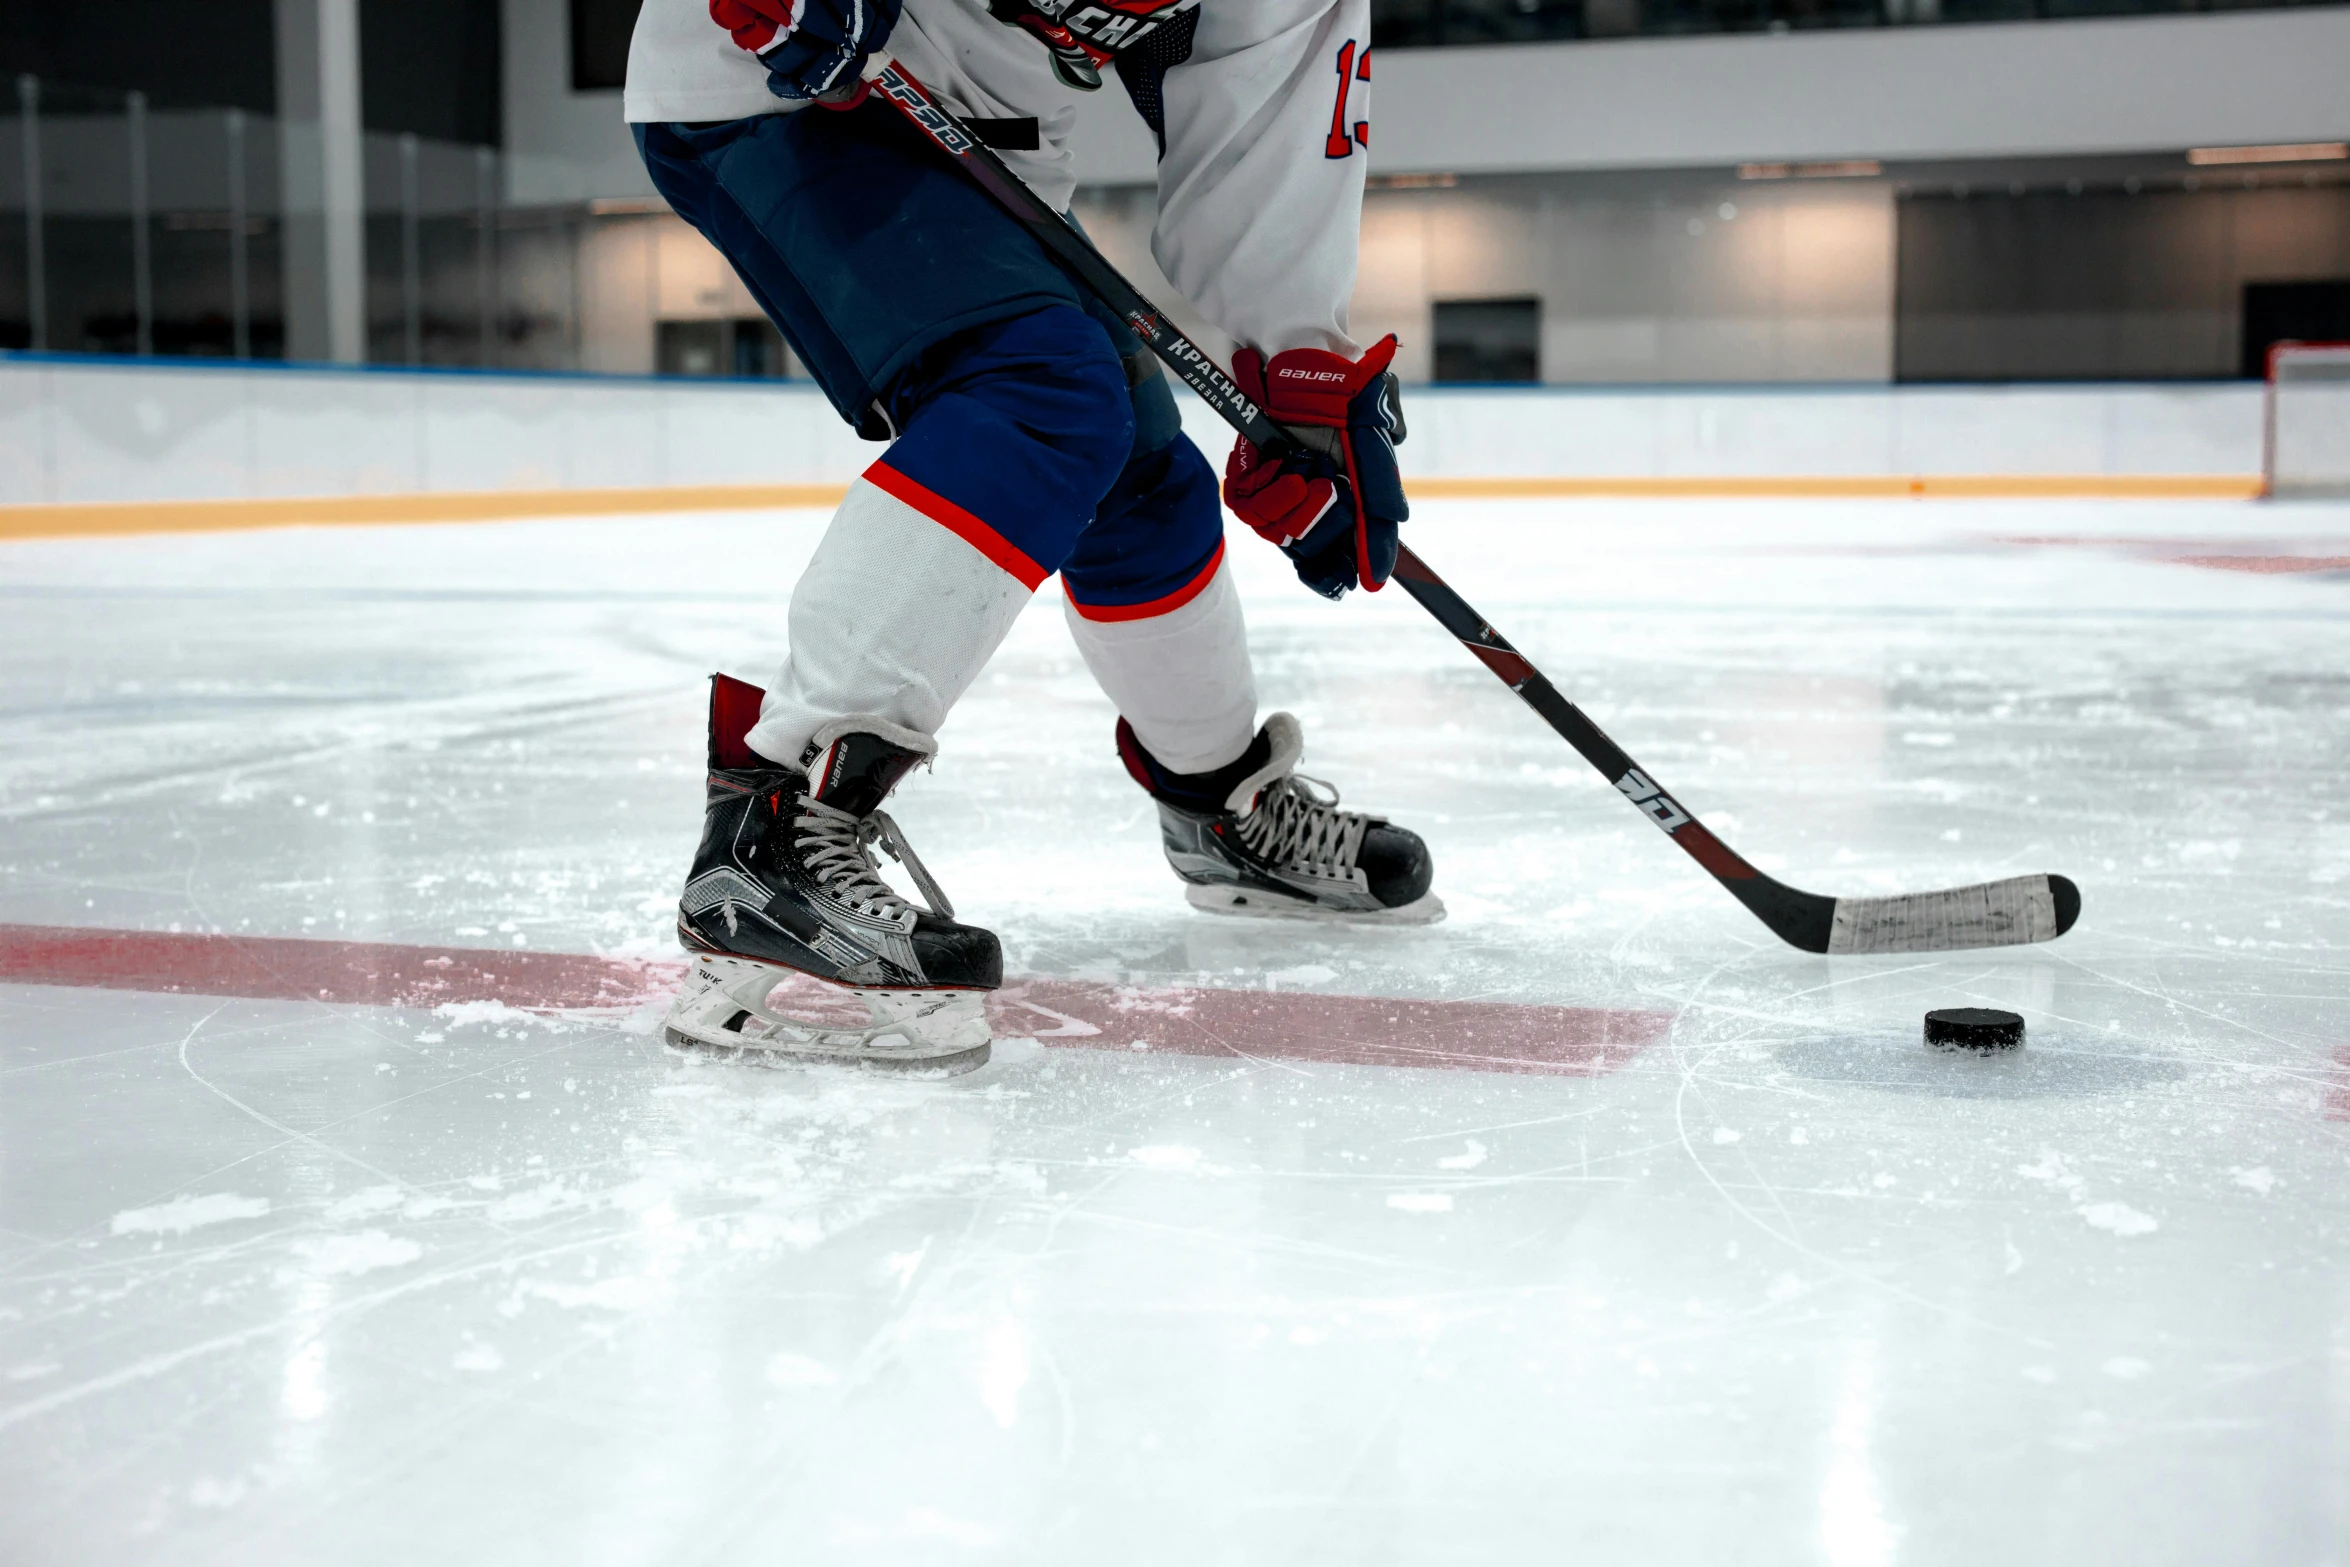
801	951
1259	838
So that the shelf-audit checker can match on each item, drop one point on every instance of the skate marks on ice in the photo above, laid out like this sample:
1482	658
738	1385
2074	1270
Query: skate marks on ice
1892	1062
290	1338
1476	1036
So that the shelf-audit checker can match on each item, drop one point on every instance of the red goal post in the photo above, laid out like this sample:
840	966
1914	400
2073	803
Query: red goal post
2305	423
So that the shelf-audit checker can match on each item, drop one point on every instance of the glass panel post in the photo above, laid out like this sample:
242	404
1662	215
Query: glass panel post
142	242
36	275
240	293
485	249
411	266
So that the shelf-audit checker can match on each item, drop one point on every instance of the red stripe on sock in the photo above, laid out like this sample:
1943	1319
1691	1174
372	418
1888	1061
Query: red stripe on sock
1158	606
962	524
1463	1036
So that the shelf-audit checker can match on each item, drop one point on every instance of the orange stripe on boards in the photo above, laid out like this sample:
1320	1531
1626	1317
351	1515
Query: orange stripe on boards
1920	486
1158	606
98	518
962	524
81	519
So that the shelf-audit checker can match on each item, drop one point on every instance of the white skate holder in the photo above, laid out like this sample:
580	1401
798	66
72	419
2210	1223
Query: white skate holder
730	1005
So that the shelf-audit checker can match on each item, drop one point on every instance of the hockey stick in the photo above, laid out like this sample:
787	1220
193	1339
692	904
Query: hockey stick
2017	910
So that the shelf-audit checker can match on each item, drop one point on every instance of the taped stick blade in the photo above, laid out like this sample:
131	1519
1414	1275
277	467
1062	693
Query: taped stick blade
2011	913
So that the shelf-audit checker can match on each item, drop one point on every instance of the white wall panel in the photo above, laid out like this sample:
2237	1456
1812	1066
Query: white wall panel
2015	90
2022	89
1807	433
76	432
718	434
616	436
26	472
561	145
352	434
2192	429
2020	431
496	432
128	436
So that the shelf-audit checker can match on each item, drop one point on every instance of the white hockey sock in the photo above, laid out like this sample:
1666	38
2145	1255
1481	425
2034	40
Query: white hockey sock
892	621
1182	679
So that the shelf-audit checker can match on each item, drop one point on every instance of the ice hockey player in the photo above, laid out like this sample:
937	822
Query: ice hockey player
1029	433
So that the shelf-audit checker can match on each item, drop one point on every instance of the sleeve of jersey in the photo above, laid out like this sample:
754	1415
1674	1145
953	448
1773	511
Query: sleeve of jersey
1261	183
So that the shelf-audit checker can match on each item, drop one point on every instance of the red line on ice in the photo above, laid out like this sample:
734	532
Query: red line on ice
1473	1036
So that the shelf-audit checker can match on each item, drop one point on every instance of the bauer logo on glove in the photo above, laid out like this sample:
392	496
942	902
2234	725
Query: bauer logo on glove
1333	500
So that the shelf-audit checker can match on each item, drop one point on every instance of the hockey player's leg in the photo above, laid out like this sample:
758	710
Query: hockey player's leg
1258	837
801	950
1153	610
927	316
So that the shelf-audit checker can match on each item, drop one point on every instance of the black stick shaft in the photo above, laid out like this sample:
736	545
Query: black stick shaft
1798	917
1067	244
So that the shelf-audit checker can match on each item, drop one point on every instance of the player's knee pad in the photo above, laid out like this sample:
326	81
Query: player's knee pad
1154	539
1023	425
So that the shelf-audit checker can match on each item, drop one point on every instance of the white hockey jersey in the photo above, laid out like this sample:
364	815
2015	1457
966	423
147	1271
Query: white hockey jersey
1266	131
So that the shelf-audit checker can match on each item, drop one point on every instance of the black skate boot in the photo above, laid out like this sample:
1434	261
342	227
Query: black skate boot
801	951
1257	837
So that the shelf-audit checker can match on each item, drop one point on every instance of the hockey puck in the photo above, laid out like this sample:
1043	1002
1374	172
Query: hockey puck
1979	1029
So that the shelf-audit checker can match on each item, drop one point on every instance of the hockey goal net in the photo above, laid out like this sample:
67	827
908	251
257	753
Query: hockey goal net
2307	446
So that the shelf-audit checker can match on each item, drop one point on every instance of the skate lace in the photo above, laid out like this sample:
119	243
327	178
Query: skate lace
1297	822
838	848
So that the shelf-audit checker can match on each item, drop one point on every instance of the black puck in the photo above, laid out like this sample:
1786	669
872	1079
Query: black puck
1979	1029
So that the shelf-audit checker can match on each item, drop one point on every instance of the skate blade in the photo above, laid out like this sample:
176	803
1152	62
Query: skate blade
1255	903
762	1014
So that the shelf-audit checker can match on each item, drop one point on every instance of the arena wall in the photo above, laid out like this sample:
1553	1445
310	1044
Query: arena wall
110	433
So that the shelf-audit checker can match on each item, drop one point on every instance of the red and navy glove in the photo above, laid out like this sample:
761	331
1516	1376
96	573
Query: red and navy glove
810	47
1333	500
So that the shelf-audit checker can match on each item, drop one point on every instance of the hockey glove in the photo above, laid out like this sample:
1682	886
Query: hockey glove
808	46
1333	500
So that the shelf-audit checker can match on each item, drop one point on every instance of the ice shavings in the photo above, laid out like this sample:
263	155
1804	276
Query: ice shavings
1467	1160
2118	1217
536	1203
185	1213
794	1371
1420	1202
347	1255
478	1357
216	1495
467	1014
918	1526
364	1203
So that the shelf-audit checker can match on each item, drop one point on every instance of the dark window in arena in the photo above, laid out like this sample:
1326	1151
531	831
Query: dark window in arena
599	42
1488	340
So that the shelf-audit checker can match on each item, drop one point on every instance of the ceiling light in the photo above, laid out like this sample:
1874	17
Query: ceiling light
2278	152
1841	169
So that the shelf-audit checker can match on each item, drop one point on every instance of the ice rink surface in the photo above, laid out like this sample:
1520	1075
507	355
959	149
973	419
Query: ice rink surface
1737	1272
